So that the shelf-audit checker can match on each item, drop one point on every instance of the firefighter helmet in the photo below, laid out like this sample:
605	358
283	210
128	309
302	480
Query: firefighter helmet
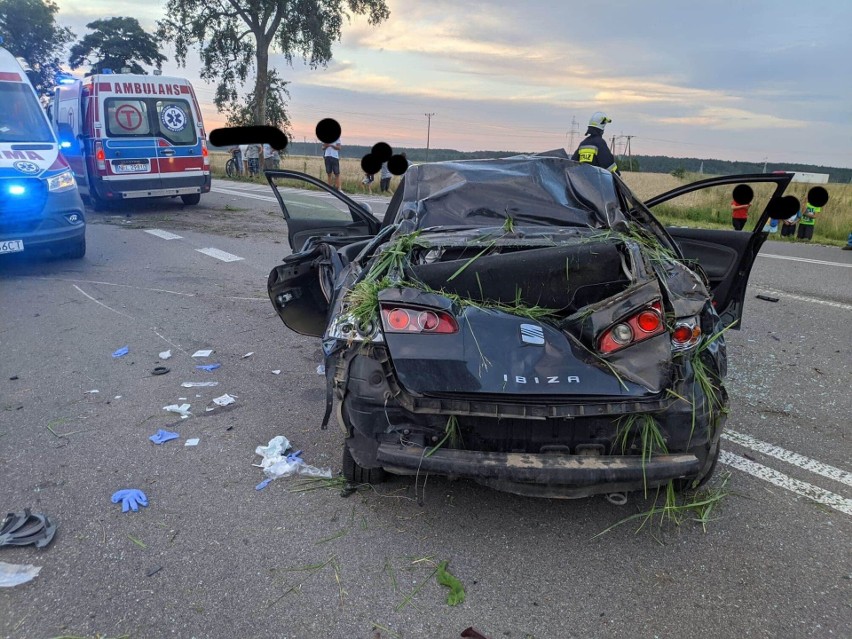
599	120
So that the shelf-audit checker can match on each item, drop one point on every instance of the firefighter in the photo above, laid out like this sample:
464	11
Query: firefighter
593	149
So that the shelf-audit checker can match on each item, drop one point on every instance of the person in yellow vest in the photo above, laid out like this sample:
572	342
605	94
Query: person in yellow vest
593	149
806	224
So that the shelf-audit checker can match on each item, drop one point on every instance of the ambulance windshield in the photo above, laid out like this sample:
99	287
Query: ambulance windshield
21	118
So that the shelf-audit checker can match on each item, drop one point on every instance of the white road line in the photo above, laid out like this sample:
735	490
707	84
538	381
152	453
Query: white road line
109	308
220	255
804	259
254	196
788	483
163	234
790	457
812	300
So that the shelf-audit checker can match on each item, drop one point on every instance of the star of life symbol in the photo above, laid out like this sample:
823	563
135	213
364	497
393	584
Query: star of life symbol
29	168
174	118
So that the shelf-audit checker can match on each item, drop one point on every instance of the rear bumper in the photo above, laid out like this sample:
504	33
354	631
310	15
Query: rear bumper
119	189
551	475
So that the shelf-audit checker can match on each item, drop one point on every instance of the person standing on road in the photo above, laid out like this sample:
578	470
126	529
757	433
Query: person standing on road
806	224
593	149
739	215
331	153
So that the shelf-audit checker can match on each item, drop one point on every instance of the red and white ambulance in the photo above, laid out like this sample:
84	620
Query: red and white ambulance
132	136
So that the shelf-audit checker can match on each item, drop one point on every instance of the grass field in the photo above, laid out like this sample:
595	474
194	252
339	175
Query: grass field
706	209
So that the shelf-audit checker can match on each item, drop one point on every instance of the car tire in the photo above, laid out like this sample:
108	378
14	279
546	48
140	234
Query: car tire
76	250
192	199
356	474
96	203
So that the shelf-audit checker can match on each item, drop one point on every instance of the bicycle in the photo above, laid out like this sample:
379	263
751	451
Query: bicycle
231	168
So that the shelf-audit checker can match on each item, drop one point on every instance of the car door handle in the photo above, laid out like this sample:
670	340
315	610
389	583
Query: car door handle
168	152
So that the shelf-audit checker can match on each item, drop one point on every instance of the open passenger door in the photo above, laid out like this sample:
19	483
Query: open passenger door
726	256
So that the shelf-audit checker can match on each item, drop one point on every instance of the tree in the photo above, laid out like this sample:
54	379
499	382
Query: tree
29	31
235	36
116	43
242	114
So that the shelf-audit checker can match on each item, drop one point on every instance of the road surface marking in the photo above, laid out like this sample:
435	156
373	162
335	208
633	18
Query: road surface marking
790	457
812	300
781	480
109	308
220	255
804	259
254	196
163	234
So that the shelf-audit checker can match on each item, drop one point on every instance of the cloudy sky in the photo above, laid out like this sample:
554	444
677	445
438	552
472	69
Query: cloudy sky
730	79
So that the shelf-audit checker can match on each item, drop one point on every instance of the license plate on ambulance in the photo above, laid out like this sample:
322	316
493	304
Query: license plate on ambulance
11	246
131	167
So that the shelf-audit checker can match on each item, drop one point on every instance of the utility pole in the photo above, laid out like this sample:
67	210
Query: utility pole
575	131
428	131
629	151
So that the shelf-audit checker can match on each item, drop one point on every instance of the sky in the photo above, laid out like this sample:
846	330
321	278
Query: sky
748	80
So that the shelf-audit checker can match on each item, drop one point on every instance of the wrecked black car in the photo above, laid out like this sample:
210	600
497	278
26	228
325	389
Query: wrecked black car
523	322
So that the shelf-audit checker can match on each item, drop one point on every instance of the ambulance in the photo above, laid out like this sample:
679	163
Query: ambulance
40	207
130	136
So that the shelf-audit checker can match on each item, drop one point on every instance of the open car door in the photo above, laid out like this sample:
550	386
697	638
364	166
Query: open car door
323	211
726	256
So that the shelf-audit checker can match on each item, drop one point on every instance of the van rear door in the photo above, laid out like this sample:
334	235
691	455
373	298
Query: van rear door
131	145
179	140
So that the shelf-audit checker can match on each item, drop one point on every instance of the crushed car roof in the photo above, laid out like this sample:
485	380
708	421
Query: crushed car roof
532	190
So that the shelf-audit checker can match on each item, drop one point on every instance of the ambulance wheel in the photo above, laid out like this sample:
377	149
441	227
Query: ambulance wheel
191	199
76	250
96	203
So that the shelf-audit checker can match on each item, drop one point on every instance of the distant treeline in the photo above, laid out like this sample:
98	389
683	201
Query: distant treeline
647	163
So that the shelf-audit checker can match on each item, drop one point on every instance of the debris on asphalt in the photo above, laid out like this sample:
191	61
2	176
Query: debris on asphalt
89	392
224	400
277	371
205	353
208	367
767	298
277	462
166	354
117	397
182	410
16	574
263	484
198	384
130	498
163	436
617	499
321	369
153	571
472	633
247	355
445	578
192	442
13	378
25	528
160	370
121	352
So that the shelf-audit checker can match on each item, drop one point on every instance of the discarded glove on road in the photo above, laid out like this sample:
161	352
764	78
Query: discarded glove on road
163	436
22	529
130	498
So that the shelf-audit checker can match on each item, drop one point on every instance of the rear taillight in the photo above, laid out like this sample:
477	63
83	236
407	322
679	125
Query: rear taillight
100	156
686	334
633	329
204	153
402	319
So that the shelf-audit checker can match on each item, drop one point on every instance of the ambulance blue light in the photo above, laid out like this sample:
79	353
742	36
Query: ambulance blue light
17	189
106	71
65	145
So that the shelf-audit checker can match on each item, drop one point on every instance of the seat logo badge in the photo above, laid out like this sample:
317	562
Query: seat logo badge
532	334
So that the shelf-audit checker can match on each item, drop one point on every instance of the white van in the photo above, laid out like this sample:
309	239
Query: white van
40	206
130	136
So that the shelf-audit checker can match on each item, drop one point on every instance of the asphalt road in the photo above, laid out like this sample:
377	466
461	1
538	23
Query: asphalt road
213	557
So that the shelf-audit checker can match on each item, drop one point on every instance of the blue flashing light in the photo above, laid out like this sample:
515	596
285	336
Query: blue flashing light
17	189
65	145
106	71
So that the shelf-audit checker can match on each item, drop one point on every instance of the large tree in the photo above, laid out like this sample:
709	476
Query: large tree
235	37
243	113
29	31
116	43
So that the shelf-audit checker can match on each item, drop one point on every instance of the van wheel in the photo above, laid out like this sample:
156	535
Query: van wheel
356	474
77	249
191	199
95	202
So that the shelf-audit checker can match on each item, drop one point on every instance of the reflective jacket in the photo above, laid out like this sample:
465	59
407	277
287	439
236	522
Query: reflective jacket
593	150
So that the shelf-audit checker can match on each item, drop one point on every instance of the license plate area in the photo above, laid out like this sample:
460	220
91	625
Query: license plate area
11	246
130	166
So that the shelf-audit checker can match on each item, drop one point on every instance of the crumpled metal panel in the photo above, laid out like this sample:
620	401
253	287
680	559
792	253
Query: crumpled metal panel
529	189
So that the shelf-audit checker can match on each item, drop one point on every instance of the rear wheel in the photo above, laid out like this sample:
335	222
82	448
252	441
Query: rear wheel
193	198
231	168
358	474
95	202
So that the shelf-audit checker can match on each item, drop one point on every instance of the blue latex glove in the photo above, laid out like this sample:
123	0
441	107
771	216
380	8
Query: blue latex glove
124	350
295	458
130	498
162	436
208	367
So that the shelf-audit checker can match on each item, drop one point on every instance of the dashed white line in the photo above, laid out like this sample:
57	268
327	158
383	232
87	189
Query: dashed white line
833	500
220	255
790	457
811	300
163	234
804	259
